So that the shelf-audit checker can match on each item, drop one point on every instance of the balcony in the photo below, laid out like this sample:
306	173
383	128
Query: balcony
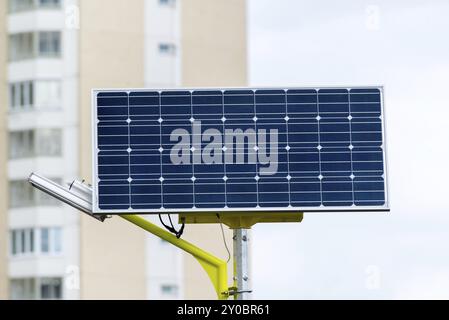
20	6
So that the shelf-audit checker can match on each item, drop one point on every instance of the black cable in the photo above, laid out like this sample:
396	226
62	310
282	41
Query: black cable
177	233
171	222
181	230
172	230
224	239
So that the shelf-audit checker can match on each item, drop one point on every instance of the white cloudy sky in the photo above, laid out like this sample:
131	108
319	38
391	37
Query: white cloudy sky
399	44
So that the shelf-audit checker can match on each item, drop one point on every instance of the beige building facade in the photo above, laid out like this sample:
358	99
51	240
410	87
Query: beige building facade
81	45
3	160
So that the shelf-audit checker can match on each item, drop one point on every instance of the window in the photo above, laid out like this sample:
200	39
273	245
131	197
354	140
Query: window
24	5
23	289
39	288
50	288
20	5
51	240
169	289
49	4
35	143
49	142
21	95
31	240
167	48
22	194
21	46
13	243
21	144
167	2
22	241
12	96
45	240
16	241
47	94
28	45
49	44
38	94
57	240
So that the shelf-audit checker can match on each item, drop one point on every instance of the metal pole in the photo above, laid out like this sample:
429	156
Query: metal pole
241	264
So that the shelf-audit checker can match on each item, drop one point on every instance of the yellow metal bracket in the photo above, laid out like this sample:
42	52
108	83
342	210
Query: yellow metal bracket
239	220
215	268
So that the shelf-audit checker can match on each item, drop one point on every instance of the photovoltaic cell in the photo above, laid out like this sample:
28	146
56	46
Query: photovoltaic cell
329	152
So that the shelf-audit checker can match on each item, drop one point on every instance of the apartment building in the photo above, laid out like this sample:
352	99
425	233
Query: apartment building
52	53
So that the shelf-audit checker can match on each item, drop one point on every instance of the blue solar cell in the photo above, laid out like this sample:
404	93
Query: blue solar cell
263	149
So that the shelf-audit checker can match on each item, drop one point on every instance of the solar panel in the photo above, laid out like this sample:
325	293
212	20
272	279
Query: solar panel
193	150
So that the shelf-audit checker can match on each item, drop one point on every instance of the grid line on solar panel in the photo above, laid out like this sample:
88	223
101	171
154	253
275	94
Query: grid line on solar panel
329	139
